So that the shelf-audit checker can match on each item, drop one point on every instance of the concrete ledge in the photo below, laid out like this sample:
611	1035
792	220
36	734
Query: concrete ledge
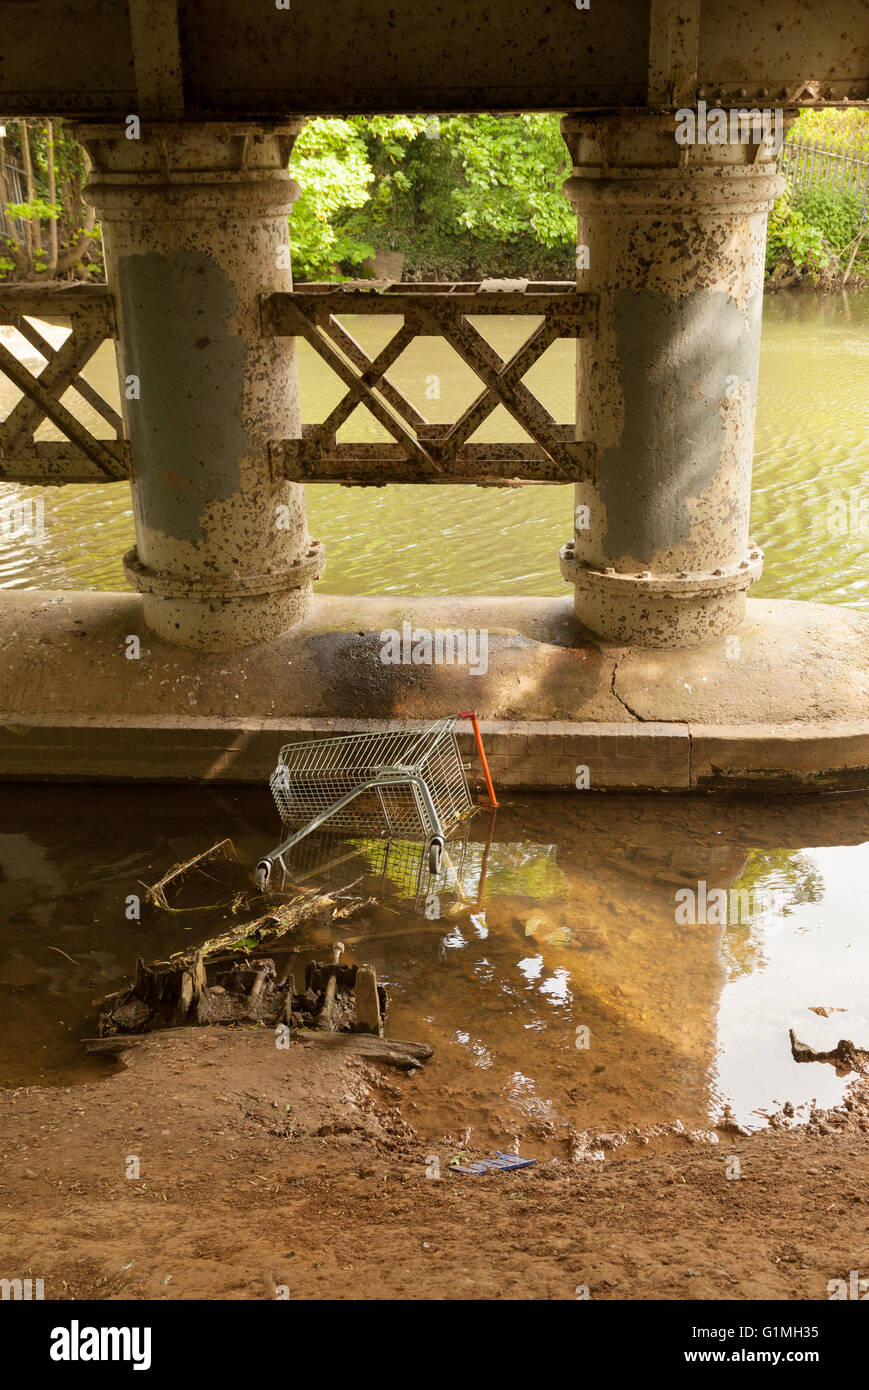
528	755
523	755
791	708
783	758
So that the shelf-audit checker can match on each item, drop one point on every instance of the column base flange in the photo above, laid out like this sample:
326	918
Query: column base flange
207	587
675	610
682	583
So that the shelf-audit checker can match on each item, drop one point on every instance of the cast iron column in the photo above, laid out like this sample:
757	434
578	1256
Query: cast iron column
194	221
661	555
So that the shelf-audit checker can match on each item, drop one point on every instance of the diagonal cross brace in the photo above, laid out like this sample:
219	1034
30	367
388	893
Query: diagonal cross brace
60	371
78	383
521	362
390	393
490	368
358	385
371	376
58	414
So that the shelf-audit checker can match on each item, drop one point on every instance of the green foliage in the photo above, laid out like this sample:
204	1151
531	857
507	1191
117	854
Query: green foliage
509	176
79	244
836	215
811	235
465	195
38	209
336	163
791	237
330	161
846	129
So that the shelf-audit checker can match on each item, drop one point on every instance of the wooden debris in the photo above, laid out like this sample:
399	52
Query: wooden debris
157	891
394	1052
263	930
338	1000
324	1017
116	1046
405	1055
368	1018
248	991
845	1054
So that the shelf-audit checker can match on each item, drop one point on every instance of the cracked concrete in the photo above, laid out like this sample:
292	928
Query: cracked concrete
87	691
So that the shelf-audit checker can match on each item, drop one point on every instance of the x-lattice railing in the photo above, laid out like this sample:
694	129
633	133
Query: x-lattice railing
81	456
419	452
423	452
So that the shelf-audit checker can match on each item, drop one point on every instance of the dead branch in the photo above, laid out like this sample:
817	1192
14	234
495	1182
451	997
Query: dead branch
157	891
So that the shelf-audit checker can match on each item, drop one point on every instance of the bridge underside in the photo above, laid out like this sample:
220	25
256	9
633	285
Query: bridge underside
659	674
215	59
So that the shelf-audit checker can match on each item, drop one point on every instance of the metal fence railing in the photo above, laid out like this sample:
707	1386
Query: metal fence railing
809	164
16	193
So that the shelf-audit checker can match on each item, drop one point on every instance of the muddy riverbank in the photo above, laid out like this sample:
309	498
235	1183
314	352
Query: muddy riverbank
266	1173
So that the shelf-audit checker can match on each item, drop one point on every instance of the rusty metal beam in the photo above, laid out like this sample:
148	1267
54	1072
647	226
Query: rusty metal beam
52	464
157	58
558	300
674	51
237	61
44	302
480	465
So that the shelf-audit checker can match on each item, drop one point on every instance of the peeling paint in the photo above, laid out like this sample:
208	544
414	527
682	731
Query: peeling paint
186	430
675	359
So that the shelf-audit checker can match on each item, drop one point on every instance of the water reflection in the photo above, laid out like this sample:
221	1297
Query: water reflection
565	920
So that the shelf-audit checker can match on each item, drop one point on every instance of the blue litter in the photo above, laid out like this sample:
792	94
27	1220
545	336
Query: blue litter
503	1164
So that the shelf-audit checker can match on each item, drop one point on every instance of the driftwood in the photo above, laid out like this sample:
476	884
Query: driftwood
405	1055
259	931
393	1052
845	1054
157	891
114	1047
249	991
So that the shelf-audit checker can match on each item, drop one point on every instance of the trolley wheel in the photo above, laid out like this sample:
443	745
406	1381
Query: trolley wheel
435	850
263	874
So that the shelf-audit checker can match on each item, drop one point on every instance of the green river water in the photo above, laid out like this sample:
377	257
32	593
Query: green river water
811	452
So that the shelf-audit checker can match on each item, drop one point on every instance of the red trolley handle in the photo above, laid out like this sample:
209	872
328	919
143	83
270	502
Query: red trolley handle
472	715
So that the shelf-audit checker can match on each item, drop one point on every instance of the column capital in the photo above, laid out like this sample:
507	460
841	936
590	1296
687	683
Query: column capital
637	164
211	167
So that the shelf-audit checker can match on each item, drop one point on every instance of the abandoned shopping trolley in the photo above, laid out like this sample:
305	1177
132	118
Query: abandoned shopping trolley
392	784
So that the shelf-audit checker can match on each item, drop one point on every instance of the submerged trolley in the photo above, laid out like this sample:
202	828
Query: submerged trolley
387	785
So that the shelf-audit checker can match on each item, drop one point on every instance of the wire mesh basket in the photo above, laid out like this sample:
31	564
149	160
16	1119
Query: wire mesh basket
391	785
396	872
